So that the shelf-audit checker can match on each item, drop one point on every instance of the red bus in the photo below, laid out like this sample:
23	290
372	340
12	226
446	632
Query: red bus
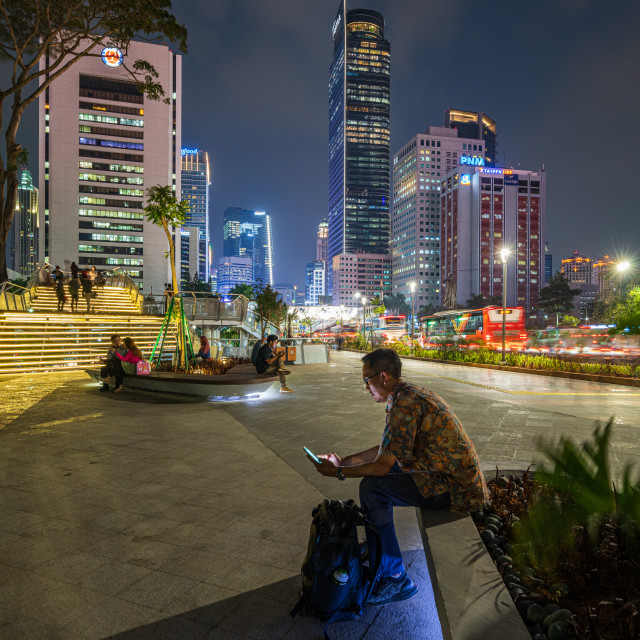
476	326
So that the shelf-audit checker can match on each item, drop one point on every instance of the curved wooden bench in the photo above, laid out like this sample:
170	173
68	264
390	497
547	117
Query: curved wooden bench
240	382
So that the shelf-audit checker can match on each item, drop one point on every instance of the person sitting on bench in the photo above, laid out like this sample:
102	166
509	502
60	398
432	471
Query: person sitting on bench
269	360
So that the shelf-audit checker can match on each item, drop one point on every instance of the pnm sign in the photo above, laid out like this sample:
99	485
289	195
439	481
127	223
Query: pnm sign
472	161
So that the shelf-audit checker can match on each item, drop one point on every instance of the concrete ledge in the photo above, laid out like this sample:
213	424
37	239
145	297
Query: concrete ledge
228	385
471	598
573	375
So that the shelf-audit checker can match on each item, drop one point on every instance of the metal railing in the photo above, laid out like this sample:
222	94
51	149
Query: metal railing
13	297
118	277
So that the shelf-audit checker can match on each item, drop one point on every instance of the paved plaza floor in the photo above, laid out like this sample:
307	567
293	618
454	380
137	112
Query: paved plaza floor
137	516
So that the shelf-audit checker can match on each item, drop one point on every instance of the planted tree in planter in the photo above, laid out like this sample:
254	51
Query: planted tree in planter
165	210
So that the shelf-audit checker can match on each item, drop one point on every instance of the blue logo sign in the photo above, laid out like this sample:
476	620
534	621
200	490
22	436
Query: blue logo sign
185	152
495	172
472	161
511	180
465	179
111	56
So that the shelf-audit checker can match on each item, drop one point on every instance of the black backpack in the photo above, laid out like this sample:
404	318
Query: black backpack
334	586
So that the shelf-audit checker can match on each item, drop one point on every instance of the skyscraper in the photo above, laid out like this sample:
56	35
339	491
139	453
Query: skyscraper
22	243
475	125
247	234
548	263
485	209
322	241
102	143
314	282
195	181
418	168
359	134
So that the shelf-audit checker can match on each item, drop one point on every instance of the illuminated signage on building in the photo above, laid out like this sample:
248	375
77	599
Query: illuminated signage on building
112	57
260	213
188	152
473	161
495	172
465	179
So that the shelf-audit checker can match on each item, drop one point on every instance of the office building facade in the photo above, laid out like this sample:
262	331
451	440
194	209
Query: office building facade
577	270
314	282
247	234
476	126
367	274
483	211
195	183
22	242
548	264
102	144
359	134
232	271
418	169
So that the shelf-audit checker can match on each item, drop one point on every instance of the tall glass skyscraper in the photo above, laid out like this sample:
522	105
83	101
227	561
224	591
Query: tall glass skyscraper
22	243
359	134
195	190
247	234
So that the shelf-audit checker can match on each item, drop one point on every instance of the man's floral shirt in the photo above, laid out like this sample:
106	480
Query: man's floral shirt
429	442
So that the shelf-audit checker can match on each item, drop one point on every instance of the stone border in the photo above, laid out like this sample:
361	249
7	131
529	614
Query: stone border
471	598
587	377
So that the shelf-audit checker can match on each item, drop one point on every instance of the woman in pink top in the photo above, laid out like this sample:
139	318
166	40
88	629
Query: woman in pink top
129	361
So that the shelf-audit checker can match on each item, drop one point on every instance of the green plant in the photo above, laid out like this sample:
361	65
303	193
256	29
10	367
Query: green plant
575	498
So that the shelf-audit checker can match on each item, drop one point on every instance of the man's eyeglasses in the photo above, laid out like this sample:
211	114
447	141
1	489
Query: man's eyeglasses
366	380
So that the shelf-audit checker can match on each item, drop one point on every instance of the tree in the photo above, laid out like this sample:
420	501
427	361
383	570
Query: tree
268	305
63	32
193	283
476	301
243	289
557	296
397	305
164	210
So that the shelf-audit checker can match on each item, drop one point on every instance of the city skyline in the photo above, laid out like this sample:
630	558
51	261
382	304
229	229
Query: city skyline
571	68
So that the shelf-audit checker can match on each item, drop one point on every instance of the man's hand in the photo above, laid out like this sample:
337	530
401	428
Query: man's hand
333	458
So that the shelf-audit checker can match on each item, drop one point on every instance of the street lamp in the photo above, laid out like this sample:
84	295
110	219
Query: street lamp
504	254
364	302
413	288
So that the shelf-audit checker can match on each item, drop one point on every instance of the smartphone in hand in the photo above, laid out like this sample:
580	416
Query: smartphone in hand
312	455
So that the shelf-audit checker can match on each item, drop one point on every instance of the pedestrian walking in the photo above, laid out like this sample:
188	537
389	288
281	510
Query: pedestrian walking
87	285
74	270
74	288
62	298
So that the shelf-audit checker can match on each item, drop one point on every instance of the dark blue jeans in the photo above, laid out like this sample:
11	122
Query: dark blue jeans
378	496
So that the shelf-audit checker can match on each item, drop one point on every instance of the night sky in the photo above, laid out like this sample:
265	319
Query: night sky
560	78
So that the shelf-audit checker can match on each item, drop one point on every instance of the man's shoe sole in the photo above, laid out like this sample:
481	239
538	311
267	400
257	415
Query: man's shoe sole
399	597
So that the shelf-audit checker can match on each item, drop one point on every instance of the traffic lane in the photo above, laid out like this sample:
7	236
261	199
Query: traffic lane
592	400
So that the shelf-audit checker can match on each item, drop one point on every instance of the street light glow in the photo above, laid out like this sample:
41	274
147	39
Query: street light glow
504	253
413	287
623	266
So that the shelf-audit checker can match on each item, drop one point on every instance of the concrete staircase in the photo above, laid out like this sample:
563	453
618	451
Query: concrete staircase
45	340
111	300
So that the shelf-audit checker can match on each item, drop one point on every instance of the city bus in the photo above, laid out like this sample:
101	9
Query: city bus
386	328
476	326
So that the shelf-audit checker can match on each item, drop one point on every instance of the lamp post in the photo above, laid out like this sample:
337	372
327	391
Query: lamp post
504	254
413	288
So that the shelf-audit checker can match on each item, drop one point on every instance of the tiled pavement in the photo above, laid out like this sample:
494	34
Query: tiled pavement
140	517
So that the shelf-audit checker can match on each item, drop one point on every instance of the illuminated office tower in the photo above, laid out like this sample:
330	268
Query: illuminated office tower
195	182
477	126
418	169
483	210
314	282
102	144
548	263
247	234
233	271
322	241
22	242
577	270
359	134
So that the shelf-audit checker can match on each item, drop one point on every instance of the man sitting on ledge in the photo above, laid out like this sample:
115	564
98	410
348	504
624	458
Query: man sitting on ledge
269	360
425	459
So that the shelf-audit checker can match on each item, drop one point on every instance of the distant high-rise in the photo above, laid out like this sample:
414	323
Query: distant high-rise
476	125
322	242
359	134
314	282
577	269
195	190
548	263
233	271
22	243
247	234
